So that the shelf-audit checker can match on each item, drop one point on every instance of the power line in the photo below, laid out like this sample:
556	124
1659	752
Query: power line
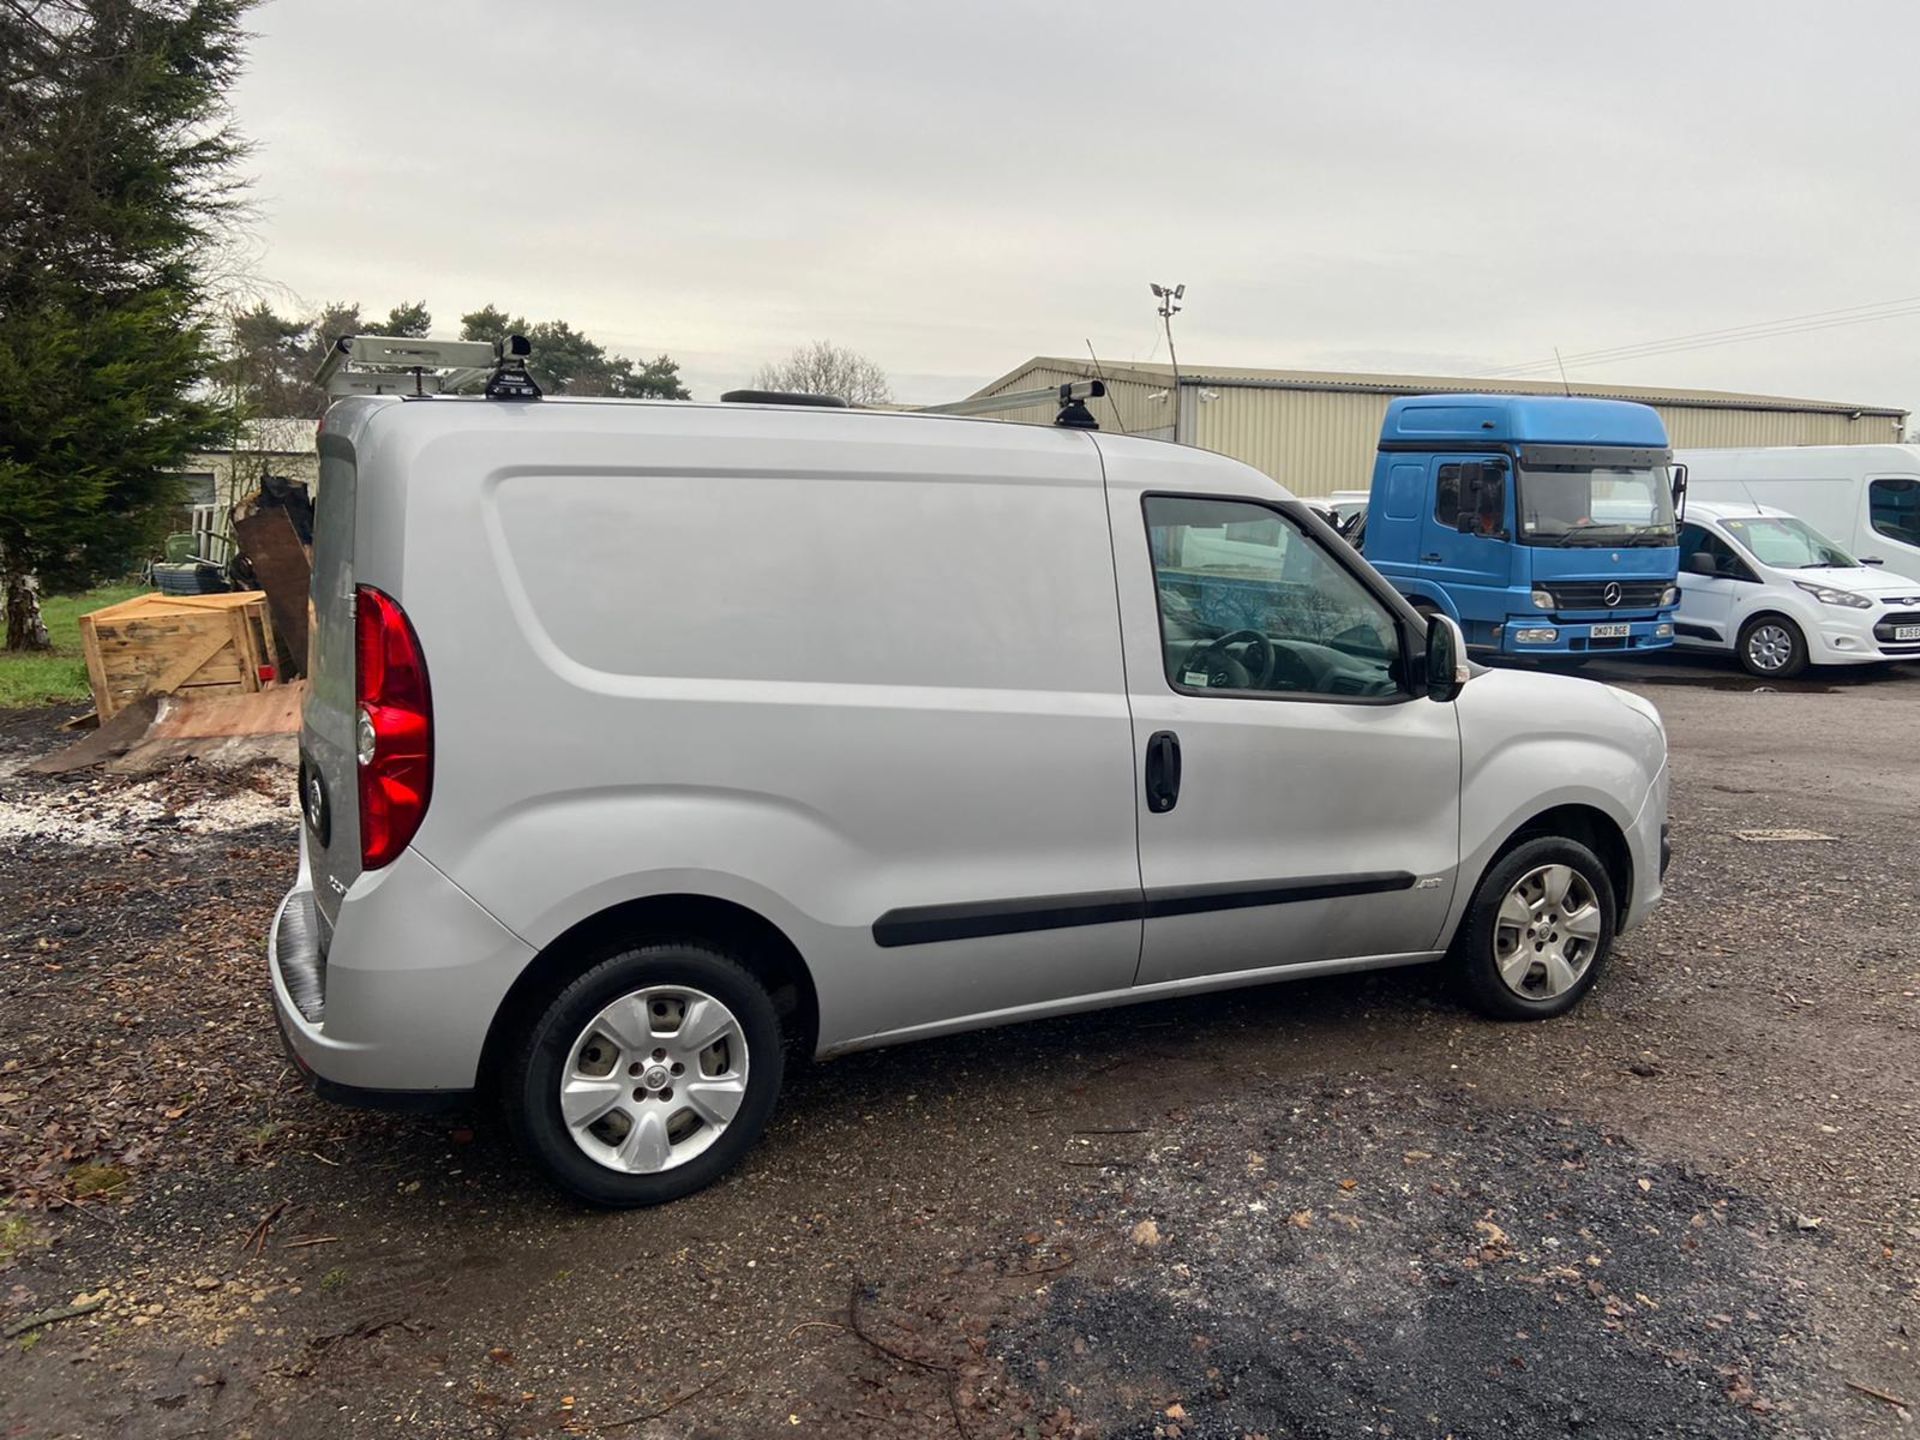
1732	335
1849	315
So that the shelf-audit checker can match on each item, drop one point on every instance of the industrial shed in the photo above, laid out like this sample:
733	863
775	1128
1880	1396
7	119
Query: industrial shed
1315	431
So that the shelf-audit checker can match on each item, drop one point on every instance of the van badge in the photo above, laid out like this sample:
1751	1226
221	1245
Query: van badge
1431	882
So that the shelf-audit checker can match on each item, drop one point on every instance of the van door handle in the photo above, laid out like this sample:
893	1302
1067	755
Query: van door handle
1163	771
1429	559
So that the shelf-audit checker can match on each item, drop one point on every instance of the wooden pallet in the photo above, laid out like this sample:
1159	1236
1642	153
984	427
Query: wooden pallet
160	644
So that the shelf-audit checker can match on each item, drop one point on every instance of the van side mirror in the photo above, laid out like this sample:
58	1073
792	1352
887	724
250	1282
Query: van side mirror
1446	658
1701	563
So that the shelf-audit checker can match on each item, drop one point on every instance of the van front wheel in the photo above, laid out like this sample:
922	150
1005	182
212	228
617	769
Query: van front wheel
1537	932
648	1077
1772	647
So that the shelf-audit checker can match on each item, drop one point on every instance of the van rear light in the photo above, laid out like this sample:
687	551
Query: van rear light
393	738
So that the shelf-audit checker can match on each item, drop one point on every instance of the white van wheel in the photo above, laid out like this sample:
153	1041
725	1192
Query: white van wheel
1772	647
648	1077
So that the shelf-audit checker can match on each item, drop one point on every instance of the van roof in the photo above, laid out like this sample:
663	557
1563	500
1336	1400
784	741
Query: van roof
1730	509
349	418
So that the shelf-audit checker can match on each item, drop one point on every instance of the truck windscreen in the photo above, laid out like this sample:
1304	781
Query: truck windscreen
1595	505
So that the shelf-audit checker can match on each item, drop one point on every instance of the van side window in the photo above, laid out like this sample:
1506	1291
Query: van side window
1250	603
1893	507
1726	563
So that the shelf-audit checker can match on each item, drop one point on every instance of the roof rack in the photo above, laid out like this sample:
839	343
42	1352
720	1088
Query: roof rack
1071	398
403	365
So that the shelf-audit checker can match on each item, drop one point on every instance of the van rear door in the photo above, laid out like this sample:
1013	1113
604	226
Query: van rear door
328	773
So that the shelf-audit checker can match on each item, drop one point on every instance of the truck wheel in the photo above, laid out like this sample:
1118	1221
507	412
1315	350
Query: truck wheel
1772	647
648	1077
1537	932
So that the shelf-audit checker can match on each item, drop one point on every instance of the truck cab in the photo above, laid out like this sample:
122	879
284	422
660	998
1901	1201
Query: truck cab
1543	525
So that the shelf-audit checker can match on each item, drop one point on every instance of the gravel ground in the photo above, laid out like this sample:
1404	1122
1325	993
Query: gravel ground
1338	1208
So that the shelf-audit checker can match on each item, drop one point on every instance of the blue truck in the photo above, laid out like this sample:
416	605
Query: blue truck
1544	525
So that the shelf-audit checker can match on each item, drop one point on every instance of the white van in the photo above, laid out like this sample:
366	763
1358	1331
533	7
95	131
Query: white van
1771	590
650	743
1864	497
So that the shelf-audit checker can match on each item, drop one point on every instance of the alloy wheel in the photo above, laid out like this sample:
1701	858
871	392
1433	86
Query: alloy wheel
1547	932
654	1079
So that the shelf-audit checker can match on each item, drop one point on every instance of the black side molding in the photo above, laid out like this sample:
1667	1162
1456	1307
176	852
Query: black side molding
928	924
972	920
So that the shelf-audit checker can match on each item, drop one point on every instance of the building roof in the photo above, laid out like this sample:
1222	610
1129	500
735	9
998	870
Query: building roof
1342	380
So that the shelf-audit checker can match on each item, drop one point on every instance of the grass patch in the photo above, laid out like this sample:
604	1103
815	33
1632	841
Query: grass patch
333	1279
92	1179
59	676
16	1234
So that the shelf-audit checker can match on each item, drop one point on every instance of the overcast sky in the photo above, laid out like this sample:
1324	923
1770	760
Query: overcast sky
952	188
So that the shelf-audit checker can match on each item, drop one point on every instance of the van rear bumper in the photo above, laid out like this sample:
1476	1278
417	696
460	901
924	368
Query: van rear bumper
411	981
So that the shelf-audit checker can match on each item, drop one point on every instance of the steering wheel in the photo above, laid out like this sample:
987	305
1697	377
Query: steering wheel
1224	671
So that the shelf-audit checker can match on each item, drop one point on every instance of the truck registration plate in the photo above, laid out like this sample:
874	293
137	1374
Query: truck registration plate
1906	632
1610	632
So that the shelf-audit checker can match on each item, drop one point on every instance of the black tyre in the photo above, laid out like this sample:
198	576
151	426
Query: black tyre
1772	647
648	1077
1537	932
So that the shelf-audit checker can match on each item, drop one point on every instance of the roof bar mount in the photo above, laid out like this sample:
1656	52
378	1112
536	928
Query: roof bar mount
404	365
1071	398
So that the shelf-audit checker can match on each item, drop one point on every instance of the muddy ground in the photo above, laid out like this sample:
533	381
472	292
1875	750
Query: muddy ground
1338	1208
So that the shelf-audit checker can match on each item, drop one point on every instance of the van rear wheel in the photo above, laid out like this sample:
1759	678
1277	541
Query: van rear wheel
648	1077
1537	932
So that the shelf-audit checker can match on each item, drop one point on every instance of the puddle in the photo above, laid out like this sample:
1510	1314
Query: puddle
1740	685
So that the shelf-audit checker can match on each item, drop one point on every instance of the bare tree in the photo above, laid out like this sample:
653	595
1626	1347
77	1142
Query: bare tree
824	368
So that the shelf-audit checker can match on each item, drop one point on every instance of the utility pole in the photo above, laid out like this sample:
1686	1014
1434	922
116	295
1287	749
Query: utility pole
1169	297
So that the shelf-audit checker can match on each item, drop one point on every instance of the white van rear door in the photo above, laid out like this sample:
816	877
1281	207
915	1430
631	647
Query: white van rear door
1316	811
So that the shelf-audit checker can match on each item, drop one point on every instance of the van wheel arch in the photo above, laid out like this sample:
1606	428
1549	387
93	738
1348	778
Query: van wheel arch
1592	828
752	939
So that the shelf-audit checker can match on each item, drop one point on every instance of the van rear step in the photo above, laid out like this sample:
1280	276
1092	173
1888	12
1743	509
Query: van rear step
297	956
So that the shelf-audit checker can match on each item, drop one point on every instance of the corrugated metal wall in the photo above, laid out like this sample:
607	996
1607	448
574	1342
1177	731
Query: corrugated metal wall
1692	428
1317	441
1127	407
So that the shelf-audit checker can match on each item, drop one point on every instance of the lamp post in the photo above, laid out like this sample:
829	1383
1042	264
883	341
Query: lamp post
1169	297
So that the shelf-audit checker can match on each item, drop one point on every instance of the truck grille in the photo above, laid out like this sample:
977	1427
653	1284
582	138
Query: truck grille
1592	594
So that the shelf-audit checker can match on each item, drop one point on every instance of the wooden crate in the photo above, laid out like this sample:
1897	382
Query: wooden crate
159	644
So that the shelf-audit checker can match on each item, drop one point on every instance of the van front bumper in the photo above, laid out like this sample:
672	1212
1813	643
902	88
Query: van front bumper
1549	635
396	1011
1650	845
